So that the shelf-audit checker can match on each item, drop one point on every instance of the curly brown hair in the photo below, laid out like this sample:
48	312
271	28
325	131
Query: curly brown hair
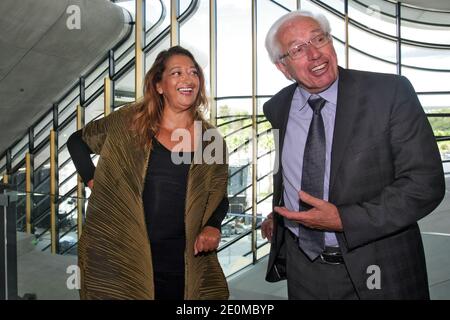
147	121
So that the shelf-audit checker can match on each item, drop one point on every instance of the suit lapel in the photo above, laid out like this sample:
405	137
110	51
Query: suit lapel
281	107
284	108
347	104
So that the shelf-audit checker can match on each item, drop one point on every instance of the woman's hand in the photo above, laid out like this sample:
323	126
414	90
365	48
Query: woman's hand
207	240
90	184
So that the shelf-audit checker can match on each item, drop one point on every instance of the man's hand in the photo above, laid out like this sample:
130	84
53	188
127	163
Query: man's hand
207	240
90	184
267	228
324	215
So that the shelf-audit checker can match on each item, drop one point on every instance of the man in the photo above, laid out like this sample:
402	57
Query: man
359	166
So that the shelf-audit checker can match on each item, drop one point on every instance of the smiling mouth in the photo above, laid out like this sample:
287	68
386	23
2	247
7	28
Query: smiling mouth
185	90
319	67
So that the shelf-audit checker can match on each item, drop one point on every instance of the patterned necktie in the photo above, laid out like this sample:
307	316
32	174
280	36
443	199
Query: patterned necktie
311	241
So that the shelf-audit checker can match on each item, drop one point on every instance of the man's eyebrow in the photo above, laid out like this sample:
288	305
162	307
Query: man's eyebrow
314	32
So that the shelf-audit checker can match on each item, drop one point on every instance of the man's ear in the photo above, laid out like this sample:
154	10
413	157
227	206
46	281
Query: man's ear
282	67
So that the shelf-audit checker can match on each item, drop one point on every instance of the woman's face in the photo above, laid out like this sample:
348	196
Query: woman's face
179	84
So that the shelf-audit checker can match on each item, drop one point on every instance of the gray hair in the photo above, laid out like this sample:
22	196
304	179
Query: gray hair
272	44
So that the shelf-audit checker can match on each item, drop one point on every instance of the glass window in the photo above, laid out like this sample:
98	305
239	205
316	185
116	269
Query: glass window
64	133
424	16
124	89
66	170
123	58
184	5
373	45
422	26
362	61
444	149
43	123
380	15
69	180
19	150
291	5
20	158
194	36
335	4
234	121
17	178
96	79
125	52
234	48
151	55
424	80
421	57
265	163
95	109
63	158
67	222
68	107
68	99
435	103
339	47
440	125
420	33
2	165
42	129
157	18
42	157
42	171
270	79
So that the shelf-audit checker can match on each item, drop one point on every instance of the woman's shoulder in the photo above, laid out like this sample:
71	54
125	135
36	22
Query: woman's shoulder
127	109
123	114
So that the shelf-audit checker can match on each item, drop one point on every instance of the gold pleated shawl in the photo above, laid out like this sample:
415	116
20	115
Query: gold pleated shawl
114	253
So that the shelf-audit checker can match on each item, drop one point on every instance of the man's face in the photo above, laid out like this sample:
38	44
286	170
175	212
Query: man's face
316	69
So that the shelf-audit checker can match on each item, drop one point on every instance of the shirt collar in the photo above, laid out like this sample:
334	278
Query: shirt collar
330	94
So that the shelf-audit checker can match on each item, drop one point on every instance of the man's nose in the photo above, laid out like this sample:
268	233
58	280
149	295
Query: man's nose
312	52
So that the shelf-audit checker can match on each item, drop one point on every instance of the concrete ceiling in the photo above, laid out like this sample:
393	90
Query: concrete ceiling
40	57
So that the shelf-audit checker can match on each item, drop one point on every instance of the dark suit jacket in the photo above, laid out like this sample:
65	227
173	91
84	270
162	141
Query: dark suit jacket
386	174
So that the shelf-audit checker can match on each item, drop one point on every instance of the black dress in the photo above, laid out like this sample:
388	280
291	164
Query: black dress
164	203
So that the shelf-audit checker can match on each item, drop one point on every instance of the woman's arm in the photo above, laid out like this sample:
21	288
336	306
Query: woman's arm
89	140
219	214
81	156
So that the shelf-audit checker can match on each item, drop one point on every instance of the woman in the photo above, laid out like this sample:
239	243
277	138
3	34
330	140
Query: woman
153	224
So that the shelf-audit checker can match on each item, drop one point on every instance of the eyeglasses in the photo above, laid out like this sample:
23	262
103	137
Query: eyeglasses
299	50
